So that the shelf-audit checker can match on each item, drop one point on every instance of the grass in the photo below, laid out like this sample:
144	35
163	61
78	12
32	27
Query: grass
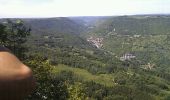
104	79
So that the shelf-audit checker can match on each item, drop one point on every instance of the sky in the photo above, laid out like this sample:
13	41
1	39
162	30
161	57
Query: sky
64	8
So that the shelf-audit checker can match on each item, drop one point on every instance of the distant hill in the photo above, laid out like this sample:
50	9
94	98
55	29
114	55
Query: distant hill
53	25
131	25
96	25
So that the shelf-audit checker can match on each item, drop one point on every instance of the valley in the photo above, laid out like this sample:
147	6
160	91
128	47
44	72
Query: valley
100	58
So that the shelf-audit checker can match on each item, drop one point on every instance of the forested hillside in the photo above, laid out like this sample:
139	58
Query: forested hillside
99	58
133	25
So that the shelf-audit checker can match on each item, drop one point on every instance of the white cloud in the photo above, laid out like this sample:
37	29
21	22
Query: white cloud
52	8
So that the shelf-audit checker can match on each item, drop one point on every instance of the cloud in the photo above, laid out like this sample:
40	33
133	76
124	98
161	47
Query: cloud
24	1
53	8
33	2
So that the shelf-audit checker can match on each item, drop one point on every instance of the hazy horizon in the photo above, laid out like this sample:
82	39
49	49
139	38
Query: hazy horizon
73	8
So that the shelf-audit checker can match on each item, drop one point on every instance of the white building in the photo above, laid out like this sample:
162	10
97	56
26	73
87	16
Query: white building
127	56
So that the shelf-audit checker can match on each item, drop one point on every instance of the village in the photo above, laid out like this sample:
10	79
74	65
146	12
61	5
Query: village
96	41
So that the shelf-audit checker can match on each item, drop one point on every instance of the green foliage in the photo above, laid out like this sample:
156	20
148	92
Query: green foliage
167	98
121	78
76	92
14	35
3	36
82	75
47	86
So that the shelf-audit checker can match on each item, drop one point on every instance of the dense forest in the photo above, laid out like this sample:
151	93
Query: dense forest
94	58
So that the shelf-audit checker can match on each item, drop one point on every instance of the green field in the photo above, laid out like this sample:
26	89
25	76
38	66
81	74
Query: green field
104	79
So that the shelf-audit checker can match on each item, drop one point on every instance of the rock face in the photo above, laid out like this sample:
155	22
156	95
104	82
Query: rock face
96	41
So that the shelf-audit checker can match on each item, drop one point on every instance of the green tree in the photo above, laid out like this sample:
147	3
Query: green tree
48	87
76	92
41	69
3	35
13	36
